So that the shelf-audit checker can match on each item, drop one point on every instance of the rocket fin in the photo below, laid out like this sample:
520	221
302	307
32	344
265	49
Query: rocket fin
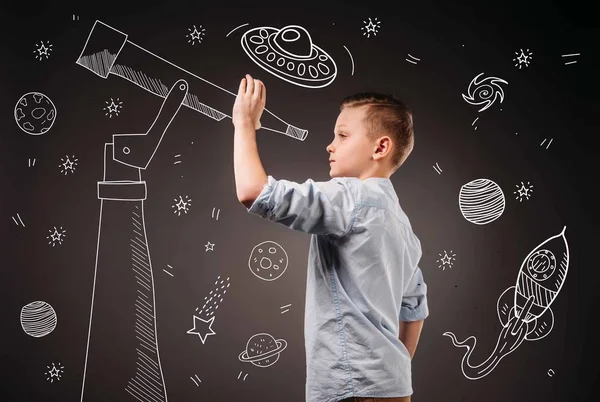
542	327
505	306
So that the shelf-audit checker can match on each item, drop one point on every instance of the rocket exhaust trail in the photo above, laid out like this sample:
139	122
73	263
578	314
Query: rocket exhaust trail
107	51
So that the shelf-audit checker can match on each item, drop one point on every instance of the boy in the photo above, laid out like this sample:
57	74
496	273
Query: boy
365	295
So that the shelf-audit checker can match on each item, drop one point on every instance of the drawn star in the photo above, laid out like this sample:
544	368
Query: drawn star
54	372
182	205
524	191
523	59
113	107
68	165
56	236
371	27
195	35
446	260
43	50
209	246
200	328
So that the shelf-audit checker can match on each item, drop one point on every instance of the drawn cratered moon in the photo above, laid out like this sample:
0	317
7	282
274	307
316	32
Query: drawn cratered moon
268	260
35	113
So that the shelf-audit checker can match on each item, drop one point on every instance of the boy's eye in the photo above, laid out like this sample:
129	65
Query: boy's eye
341	135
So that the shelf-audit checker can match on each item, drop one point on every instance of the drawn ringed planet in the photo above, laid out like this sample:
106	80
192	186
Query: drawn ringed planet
262	350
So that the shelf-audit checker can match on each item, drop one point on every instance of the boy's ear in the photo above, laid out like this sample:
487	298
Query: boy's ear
384	146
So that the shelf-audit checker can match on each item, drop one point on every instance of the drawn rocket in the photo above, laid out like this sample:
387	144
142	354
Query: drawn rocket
524	309
542	275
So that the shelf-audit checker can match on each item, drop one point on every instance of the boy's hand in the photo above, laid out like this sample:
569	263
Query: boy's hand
250	102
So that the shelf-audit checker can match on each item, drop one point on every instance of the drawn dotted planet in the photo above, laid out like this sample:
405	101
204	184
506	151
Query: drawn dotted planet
35	113
290	54
268	260
38	319
481	201
262	350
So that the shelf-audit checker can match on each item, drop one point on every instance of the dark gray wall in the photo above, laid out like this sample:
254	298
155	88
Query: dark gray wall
548	99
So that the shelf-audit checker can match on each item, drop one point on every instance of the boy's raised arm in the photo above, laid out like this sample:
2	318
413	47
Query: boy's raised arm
312	207
250	176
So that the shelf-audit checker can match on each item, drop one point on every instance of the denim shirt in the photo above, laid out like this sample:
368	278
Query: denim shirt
362	279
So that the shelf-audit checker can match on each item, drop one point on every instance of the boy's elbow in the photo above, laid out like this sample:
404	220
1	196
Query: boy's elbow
246	202
247	198
249	195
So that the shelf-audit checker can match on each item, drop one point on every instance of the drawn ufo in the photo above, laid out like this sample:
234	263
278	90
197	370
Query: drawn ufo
290	54
262	350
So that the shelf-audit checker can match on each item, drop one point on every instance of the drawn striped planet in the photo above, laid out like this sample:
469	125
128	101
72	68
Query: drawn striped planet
481	201
38	319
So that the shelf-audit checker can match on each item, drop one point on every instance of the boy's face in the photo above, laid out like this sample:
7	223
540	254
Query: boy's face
350	149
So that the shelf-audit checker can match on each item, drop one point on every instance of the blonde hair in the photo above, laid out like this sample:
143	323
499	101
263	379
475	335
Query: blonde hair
386	115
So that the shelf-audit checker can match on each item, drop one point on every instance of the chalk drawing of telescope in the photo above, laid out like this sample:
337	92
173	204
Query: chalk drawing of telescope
107	51
122	359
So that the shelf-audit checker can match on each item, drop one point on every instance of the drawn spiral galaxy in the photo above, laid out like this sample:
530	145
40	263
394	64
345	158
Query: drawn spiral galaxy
38	319
481	201
484	92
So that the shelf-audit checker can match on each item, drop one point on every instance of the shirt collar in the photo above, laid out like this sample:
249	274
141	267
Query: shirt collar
385	183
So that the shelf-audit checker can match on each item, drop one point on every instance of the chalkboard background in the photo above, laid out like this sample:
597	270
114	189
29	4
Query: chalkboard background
202	240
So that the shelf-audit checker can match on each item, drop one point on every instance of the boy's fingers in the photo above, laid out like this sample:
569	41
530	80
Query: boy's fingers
250	84
242	87
257	88
263	93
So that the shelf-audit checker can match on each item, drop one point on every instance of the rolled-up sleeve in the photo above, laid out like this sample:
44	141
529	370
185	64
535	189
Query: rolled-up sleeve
325	207
414	302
